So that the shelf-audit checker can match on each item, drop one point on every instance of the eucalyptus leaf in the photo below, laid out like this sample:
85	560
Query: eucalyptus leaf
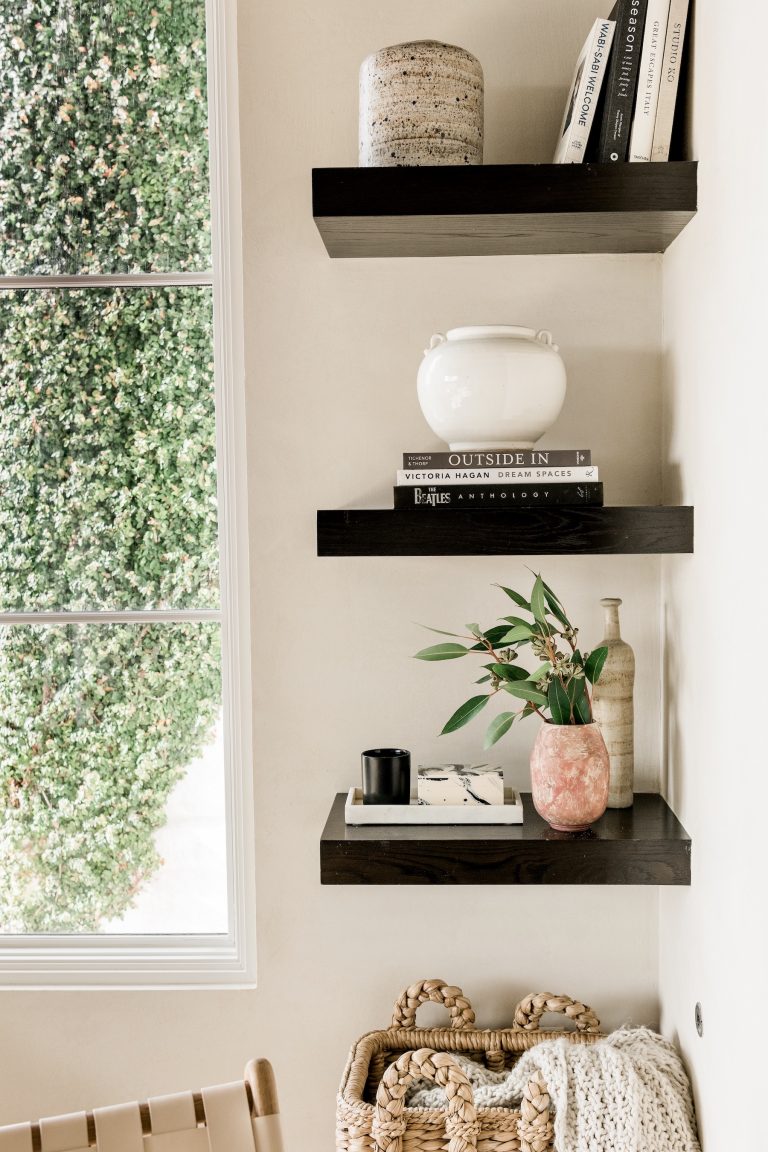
525	690
593	665
581	709
518	599
538	601
474	629
555	606
497	728
465	713
542	670
577	695
483	680
509	671
442	652
516	634
559	704
441	631
493	636
550	592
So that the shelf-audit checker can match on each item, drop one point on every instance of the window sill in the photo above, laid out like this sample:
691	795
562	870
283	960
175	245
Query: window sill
81	962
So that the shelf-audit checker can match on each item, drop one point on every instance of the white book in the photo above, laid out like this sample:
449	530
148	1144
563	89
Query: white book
585	89
413	476
670	77
649	80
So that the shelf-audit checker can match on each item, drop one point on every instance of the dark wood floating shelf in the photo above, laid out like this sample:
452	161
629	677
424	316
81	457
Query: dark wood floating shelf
644	844
503	209
545	531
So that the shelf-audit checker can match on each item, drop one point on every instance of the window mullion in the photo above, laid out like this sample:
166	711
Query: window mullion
109	280
108	616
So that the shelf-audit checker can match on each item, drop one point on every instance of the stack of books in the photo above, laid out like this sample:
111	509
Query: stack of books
498	479
621	105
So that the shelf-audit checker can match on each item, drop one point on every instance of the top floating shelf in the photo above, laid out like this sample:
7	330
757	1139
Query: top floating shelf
503	209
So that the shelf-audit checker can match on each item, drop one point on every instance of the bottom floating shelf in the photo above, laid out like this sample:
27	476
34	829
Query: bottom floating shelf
644	844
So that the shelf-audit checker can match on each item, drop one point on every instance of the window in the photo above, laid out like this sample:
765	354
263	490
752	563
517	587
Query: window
125	800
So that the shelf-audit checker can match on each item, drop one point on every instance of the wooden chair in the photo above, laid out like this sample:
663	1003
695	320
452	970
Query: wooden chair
239	1117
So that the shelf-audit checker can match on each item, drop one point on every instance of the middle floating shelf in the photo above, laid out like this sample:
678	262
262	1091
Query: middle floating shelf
545	531
502	209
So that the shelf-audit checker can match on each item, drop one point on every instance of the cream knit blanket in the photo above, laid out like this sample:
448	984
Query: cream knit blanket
628	1092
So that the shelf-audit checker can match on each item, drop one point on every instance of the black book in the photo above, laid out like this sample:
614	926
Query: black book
621	81
497	497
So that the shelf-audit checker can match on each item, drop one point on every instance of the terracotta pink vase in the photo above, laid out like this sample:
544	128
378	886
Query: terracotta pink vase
570	769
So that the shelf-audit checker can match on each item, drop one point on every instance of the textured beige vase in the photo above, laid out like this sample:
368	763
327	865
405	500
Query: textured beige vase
613	707
569	775
420	104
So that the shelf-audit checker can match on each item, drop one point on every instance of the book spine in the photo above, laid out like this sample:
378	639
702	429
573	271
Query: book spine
496	496
670	76
449	476
584	98
500	458
644	119
621	81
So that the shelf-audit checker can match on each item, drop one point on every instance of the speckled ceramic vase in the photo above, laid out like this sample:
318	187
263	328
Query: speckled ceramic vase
613	707
569	775
421	104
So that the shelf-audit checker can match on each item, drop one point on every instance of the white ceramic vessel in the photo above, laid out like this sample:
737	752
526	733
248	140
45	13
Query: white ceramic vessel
491	386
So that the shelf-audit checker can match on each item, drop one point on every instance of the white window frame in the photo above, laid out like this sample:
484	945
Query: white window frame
225	960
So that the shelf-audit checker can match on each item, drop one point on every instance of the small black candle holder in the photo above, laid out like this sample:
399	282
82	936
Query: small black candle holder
386	776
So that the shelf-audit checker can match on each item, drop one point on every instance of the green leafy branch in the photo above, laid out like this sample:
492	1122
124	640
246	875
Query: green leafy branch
558	689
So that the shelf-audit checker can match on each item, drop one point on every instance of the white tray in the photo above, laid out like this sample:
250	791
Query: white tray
510	812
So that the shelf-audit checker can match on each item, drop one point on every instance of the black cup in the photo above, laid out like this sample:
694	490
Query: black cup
386	776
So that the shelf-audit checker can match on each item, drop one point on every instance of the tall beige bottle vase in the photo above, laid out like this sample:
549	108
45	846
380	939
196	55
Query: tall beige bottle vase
613	707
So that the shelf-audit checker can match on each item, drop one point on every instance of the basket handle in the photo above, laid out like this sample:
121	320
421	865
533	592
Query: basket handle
533	1006
389	1124
404	1011
535	1128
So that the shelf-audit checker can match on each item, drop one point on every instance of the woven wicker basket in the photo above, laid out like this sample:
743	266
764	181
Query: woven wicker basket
371	1116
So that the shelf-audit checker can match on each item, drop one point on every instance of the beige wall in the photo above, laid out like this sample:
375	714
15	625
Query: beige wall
714	936
332	353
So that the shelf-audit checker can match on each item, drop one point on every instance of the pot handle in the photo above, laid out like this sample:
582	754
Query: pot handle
545	337
434	341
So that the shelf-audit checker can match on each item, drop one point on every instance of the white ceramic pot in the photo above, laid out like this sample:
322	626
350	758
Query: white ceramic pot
491	386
